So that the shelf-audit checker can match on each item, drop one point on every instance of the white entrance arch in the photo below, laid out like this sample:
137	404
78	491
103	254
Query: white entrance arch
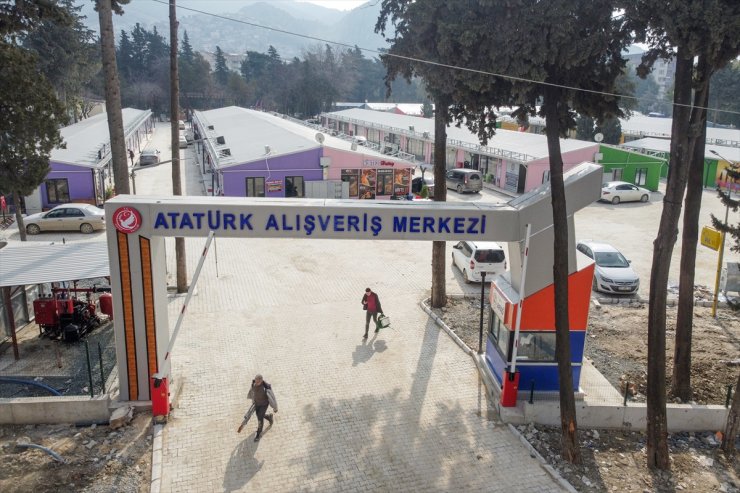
138	226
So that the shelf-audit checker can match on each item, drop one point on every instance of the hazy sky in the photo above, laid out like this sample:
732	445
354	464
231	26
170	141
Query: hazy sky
337	4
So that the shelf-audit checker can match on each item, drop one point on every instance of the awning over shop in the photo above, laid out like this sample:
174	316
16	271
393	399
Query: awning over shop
34	263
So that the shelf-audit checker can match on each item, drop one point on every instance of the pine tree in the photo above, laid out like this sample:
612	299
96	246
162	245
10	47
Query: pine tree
221	71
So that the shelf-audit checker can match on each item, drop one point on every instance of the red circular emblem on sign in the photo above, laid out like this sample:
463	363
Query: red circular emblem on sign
126	219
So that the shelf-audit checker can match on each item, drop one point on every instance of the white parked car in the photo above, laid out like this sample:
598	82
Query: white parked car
613	273
621	191
84	218
183	141
474	257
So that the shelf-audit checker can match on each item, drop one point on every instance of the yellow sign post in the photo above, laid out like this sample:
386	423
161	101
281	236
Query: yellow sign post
711	238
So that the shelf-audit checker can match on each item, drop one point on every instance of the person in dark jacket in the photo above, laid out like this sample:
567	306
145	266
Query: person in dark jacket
371	305
262	397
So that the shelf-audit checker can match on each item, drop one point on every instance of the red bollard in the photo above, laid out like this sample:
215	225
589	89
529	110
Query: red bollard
510	389
160	393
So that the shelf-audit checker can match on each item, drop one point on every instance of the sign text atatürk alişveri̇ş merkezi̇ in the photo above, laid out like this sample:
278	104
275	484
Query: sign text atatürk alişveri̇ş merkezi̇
309	223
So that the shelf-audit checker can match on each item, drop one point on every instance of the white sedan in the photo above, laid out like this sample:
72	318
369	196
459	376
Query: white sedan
84	218
613	273
621	191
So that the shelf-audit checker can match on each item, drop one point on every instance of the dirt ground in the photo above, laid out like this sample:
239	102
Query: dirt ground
617	343
97	459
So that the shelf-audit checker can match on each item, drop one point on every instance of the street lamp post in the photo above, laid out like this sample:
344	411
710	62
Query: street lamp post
722	240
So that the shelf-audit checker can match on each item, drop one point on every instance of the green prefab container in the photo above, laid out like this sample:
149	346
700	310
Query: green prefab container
633	167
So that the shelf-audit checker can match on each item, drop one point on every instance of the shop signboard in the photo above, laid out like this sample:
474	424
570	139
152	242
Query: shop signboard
275	186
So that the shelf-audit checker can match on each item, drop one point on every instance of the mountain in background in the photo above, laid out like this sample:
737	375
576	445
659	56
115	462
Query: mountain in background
354	27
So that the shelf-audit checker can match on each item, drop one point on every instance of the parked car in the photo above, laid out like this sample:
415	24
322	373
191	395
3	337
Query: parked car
361	140
181	124
149	157
464	180
613	272
183	142
621	191
474	257
84	218
418	182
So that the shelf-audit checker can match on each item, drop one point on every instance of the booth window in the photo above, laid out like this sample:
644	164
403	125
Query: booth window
536	346
641	176
294	186
57	191
500	335
256	187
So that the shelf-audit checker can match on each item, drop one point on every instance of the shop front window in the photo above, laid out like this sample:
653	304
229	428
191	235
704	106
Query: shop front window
352	177
57	191
384	182
641	176
256	187
294	186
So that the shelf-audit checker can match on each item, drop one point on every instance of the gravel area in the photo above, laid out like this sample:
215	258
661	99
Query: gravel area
615	460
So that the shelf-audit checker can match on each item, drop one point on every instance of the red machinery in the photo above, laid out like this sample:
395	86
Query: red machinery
64	315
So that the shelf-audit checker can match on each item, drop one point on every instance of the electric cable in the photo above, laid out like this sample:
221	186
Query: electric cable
440	64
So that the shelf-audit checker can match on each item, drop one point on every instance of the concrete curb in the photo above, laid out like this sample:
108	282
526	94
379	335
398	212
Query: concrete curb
547	467
532	451
444	327
156	484
639	301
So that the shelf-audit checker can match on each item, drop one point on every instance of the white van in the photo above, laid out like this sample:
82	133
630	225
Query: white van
474	257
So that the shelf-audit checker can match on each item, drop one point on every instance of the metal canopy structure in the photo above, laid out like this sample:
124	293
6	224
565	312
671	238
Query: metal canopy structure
33	263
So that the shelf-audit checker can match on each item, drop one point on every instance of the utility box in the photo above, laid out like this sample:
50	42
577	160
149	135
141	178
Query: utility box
731	277
160	392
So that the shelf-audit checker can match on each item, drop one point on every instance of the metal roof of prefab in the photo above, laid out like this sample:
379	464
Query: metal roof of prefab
34	263
85	138
520	146
650	126
664	145
247	132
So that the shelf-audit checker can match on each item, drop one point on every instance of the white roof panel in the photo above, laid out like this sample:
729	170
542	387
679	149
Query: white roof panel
664	145
34	263
84	139
534	146
247	132
661	127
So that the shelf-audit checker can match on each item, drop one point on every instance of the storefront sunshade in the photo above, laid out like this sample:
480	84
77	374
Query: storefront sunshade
34	263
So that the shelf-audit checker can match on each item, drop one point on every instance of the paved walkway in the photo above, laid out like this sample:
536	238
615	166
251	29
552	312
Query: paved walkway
404	411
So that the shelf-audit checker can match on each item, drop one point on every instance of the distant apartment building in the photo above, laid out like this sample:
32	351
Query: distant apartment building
663	70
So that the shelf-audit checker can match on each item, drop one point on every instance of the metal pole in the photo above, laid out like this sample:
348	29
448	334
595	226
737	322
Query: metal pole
178	324
102	372
720	257
11	321
521	299
89	369
482	298
215	253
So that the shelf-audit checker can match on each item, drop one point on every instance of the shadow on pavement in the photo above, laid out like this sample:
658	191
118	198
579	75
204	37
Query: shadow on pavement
364	351
242	464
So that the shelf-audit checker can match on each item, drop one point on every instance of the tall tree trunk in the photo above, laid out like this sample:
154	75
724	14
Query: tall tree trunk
657	425
19	215
439	248
113	98
733	423
182	273
568	422
681	382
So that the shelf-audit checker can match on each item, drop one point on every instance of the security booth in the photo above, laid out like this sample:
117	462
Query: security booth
536	367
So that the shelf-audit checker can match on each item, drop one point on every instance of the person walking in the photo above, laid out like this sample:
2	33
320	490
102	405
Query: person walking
262	397
131	156
371	305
